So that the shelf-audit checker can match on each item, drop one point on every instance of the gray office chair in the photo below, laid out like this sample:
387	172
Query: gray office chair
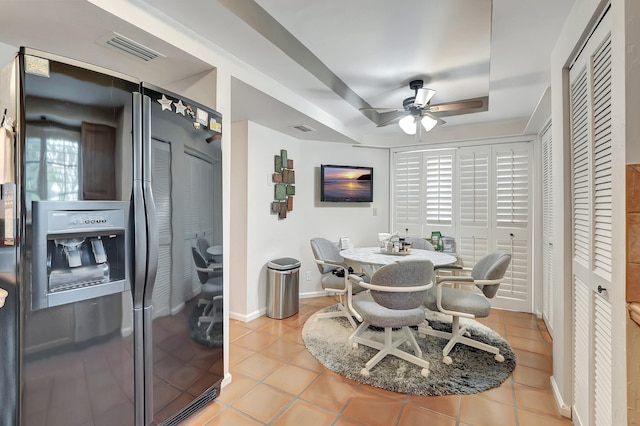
202	245
397	292
329	261
420	243
210	277
486	275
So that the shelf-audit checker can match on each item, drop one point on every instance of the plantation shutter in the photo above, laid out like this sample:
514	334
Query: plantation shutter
510	223
408	190
474	188
478	194
439	190
474	201
512	188
592	239
547	229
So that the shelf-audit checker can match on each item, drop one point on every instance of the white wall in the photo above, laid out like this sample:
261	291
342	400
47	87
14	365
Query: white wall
268	237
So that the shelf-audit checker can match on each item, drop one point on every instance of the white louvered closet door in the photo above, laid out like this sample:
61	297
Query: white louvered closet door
198	220
547	229
590	99
161	185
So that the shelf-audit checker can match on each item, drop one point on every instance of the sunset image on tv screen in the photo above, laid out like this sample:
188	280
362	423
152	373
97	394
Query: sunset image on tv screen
347	184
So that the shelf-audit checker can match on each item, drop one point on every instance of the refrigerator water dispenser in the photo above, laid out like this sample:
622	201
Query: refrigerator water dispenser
78	251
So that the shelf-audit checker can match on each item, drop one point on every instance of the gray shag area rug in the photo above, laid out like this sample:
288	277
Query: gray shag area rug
472	370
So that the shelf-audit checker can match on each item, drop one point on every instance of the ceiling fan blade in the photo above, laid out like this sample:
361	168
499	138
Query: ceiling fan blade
378	109
423	96
386	118
465	106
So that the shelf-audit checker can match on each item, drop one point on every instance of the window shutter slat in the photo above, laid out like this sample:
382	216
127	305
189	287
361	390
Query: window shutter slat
439	189
512	188
474	189
407	194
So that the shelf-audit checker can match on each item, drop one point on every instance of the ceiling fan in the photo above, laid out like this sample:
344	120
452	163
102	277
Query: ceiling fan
417	110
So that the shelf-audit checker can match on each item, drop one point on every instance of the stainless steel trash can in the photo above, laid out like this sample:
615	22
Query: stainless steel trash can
283	281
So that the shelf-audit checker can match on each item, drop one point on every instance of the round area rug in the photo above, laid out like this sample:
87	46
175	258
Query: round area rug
472	370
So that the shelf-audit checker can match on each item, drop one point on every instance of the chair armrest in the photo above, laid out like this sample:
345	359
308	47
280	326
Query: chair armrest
210	269
455	279
356	278
488	282
448	267
390	289
330	263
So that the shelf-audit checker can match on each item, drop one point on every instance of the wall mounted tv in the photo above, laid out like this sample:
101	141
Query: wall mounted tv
346	183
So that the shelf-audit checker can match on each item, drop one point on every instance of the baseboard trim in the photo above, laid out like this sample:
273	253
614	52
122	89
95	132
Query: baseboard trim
563	409
227	379
263	311
313	294
248	317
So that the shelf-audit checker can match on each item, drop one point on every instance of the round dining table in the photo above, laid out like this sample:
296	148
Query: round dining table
372	258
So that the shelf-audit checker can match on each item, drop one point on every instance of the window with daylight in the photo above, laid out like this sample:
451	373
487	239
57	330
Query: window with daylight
52	164
478	194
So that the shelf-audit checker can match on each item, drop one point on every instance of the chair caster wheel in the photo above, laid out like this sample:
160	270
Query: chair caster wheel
499	358
466	334
425	372
364	372
447	360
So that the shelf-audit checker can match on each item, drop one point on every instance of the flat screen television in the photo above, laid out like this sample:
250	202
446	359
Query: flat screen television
346	183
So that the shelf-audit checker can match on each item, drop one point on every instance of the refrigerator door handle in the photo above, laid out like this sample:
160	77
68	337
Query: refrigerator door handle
150	206
138	221
152	256
138	217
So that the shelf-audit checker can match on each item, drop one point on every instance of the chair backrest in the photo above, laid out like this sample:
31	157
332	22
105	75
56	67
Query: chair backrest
491	267
202	244
324	249
420	243
403	273
200	263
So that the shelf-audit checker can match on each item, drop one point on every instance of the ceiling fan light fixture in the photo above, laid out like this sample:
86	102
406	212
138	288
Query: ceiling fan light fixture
408	124
423	96
428	122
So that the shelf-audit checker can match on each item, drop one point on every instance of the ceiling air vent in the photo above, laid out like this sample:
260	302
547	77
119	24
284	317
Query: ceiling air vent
303	128
126	45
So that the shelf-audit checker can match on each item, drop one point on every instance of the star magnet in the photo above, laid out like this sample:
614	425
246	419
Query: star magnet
180	107
166	103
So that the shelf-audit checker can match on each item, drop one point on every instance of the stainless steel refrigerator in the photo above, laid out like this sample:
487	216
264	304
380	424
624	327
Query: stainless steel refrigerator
107	183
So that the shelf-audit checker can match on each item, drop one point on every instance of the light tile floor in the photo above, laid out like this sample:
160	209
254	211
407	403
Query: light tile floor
277	382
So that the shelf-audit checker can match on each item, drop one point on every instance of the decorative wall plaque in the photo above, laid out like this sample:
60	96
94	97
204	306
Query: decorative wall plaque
284	179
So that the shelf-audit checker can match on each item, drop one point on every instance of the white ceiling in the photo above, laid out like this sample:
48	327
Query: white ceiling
338	55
